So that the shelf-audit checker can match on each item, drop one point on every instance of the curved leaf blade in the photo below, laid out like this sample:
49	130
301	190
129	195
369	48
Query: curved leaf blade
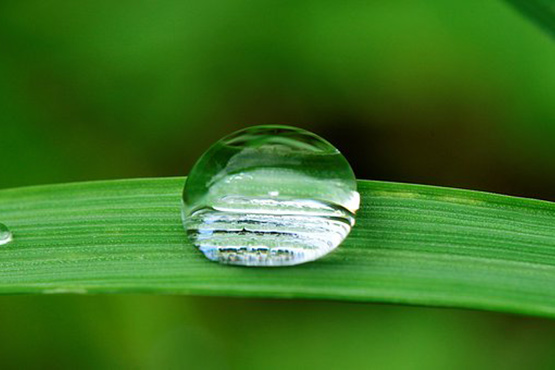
412	244
541	11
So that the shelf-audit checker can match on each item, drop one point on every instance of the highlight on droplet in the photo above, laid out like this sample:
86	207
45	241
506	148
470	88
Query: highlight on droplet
5	235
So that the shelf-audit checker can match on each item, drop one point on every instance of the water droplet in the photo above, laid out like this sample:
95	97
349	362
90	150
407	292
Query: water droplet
5	235
270	196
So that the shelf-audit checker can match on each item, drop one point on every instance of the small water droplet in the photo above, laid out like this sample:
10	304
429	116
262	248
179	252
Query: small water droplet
5	235
270	196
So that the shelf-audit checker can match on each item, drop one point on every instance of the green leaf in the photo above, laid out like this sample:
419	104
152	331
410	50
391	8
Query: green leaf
541	11
412	244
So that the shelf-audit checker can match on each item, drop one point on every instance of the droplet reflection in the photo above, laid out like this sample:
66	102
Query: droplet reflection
270	196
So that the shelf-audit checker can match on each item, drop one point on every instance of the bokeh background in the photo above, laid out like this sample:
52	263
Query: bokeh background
452	93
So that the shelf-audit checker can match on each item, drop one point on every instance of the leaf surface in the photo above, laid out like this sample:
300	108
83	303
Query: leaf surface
412	244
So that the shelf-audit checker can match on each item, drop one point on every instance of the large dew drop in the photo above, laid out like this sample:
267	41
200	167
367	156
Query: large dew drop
270	196
5	235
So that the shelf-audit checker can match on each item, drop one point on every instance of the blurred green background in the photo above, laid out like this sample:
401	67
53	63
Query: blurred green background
452	93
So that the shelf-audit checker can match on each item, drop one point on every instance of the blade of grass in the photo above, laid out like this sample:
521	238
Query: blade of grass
541	11
412	244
